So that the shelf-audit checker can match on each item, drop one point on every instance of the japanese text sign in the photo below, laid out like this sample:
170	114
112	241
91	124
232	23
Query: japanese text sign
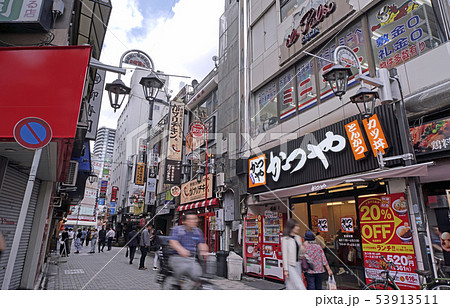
347	224
375	134
175	143
257	171
95	103
194	191
140	174
356	139
322	224
173	172
385	231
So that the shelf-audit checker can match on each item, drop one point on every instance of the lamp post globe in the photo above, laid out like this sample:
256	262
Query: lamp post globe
151	85
365	101
116	89
337	78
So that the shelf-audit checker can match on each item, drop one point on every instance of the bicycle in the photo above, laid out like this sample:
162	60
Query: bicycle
427	282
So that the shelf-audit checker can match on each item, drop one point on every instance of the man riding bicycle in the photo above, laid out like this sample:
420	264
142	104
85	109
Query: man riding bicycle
187	240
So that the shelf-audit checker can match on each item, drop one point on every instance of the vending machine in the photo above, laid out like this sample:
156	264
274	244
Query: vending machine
252	245
273	224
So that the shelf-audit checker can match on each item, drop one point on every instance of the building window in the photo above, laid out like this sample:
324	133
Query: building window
306	85
263	110
402	30
286	96
264	33
288	7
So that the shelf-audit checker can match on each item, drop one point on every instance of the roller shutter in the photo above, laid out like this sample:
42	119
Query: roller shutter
11	196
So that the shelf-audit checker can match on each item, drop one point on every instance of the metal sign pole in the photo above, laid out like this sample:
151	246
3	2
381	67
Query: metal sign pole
21	220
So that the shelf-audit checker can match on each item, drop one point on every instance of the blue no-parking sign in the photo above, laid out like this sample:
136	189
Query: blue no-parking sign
32	133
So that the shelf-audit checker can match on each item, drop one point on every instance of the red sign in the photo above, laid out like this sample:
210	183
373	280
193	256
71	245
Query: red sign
197	130
114	193
386	231
32	133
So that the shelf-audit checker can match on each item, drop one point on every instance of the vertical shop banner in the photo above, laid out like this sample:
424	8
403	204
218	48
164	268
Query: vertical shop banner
356	139
114	194
95	104
140	174
173	172
175	143
375	133
385	231
257	171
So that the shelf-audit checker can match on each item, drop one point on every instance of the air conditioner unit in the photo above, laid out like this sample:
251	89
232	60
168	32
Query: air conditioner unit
57	201
71	178
220	179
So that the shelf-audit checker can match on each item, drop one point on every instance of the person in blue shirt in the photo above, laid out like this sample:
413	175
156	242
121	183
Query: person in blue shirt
187	240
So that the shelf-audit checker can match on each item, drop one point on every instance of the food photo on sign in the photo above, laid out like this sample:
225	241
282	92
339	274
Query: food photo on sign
431	137
386	232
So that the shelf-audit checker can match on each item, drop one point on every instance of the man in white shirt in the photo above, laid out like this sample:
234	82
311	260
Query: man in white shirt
110	235
71	235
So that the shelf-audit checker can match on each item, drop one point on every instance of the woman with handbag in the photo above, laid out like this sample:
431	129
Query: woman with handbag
291	245
317	263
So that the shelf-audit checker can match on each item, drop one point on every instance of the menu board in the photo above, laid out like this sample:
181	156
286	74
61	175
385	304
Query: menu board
431	137
386	231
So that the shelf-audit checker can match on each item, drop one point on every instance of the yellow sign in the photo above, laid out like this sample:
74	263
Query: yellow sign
140	172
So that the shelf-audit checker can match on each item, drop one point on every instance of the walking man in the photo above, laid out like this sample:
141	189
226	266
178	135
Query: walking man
64	242
94	236
71	236
83	236
101	238
88	236
145	245
110	235
133	242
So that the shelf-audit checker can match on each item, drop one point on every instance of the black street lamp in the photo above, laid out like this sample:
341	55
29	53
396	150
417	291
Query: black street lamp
365	99
337	78
116	89
151	85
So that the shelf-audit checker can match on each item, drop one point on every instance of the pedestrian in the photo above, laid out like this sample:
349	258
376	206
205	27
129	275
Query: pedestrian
291	244
110	236
320	240
78	245
314	254
83	236
88	236
71	237
94	236
101	238
64	243
144	246
133	242
157	248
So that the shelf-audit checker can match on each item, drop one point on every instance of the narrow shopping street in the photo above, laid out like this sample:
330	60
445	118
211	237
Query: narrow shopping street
110	270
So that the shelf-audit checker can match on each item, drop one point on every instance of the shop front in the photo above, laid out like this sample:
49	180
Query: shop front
194	200
324	181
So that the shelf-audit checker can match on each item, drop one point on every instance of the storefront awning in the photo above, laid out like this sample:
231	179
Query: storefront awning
400	172
197	205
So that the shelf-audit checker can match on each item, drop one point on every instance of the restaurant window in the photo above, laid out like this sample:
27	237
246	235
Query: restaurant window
288	7
306	85
326	53
402	30
263	110
286	96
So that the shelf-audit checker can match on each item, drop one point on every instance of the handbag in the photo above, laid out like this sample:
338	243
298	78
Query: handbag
126	253
331	283
307	264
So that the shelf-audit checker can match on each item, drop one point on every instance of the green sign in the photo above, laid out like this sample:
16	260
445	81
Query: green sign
20	10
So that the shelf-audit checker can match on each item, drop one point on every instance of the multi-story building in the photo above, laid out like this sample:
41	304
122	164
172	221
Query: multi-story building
291	111
55	77
104	142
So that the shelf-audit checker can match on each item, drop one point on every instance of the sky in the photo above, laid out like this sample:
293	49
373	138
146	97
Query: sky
181	37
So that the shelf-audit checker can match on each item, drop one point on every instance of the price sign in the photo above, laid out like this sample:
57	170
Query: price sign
322	224
347	224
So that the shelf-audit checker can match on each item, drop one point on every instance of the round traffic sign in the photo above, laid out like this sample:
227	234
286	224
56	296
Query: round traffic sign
175	191
32	133
197	130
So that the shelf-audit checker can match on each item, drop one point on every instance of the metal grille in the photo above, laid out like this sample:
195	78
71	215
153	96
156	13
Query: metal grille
11	196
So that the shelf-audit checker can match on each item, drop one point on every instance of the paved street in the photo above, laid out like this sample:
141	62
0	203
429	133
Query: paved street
110	270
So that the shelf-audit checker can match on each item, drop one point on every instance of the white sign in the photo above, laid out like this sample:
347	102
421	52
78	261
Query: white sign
257	171
175	191
282	161
20	11
95	104
322	224
347	224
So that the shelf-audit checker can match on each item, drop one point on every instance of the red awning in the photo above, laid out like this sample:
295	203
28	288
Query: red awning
197	205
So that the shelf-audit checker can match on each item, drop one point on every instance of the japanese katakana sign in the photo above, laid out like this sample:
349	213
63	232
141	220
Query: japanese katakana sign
257	171
175	143
194	191
375	134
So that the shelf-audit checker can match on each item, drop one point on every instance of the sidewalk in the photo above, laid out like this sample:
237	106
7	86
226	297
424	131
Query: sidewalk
110	270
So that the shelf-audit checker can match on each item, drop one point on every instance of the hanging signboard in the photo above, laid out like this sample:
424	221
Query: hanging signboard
140	174
431	137
194	191
322	224
95	104
375	134
386	231
175	143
